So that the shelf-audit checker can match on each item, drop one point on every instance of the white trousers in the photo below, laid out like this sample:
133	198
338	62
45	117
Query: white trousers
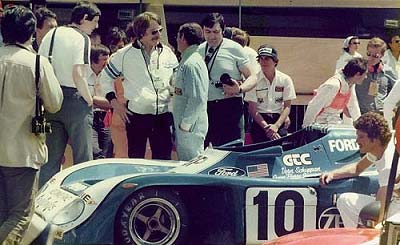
350	205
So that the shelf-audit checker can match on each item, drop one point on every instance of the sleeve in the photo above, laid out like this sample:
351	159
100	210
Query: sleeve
389	104
324	97
289	92
353	107
241	57
340	63
111	72
81	53
384	171
50	90
251	95
196	93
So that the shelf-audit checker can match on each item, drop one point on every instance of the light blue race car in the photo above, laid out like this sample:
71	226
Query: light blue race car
231	195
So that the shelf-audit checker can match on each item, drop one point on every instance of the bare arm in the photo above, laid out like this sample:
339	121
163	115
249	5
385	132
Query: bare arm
79	75
347	171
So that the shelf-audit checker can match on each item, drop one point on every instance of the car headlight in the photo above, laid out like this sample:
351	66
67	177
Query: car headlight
70	213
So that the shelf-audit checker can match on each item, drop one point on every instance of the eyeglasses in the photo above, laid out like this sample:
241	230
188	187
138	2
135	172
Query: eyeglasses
377	55
356	43
156	31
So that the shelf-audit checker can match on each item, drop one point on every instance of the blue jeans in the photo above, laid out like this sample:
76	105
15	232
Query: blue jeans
74	122
18	187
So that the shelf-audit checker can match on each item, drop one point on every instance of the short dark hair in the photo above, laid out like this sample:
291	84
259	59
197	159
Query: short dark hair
142	22
192	32
42	14
213	18
354	66
375	126
18	24
114	36
82	8
96	51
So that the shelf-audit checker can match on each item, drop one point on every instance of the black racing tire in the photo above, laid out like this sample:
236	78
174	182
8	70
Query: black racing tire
152	217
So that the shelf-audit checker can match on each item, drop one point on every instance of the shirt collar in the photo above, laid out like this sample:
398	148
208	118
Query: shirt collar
188	52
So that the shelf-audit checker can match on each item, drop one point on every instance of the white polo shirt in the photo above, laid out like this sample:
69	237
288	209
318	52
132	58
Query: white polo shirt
71	47
270	96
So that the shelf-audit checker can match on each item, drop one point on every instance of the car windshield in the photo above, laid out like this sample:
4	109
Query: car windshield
97	173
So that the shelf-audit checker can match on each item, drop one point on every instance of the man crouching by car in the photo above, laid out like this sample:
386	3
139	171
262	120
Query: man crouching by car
23	146
374	139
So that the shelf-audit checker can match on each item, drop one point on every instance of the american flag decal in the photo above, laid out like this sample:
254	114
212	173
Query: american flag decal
259	170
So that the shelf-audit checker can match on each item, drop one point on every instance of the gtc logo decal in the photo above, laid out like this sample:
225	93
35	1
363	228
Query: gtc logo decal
227	171
330	218
291	160
343	145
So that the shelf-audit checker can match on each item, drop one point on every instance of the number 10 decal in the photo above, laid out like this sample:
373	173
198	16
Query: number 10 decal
274	212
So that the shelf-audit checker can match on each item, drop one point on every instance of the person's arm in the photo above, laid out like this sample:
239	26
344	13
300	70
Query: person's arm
389	104
107	78
352	107
347	171
249	83
282	117
49	88
196	92
79	74
381	196
256	115
322	99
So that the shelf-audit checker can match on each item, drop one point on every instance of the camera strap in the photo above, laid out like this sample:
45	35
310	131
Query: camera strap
38	106
50	57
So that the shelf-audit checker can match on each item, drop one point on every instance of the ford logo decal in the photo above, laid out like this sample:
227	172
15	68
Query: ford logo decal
227	171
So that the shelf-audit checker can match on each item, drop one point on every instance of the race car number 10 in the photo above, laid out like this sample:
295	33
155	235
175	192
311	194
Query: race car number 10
274	212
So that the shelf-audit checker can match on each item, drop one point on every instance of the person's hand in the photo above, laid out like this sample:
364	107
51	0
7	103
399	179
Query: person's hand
286	124
325	178
272	132
120	110
233	90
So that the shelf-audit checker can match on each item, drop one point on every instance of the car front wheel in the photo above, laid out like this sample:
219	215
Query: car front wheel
152	217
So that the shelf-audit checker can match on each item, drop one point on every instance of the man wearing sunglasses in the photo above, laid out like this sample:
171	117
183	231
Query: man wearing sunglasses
147	67
379	81
392	54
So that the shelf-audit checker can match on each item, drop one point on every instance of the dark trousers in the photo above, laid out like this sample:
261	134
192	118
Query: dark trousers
156	128
258	133
18	187
102	145
225	121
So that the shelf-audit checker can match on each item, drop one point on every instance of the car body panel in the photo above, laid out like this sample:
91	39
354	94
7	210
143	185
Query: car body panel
246	195
348	236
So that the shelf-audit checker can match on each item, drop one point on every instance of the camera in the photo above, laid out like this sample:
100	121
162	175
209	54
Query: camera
40	125
224	79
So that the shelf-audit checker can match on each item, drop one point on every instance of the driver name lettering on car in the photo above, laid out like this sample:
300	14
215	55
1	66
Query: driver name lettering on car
343	145
291	160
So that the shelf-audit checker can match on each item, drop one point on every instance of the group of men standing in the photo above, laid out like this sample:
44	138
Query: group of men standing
206	87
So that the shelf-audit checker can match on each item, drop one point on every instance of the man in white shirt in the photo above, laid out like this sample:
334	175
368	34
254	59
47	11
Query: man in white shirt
69	56
270	101
375	140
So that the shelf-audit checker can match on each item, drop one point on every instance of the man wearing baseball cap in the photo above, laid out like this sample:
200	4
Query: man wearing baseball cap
270	101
